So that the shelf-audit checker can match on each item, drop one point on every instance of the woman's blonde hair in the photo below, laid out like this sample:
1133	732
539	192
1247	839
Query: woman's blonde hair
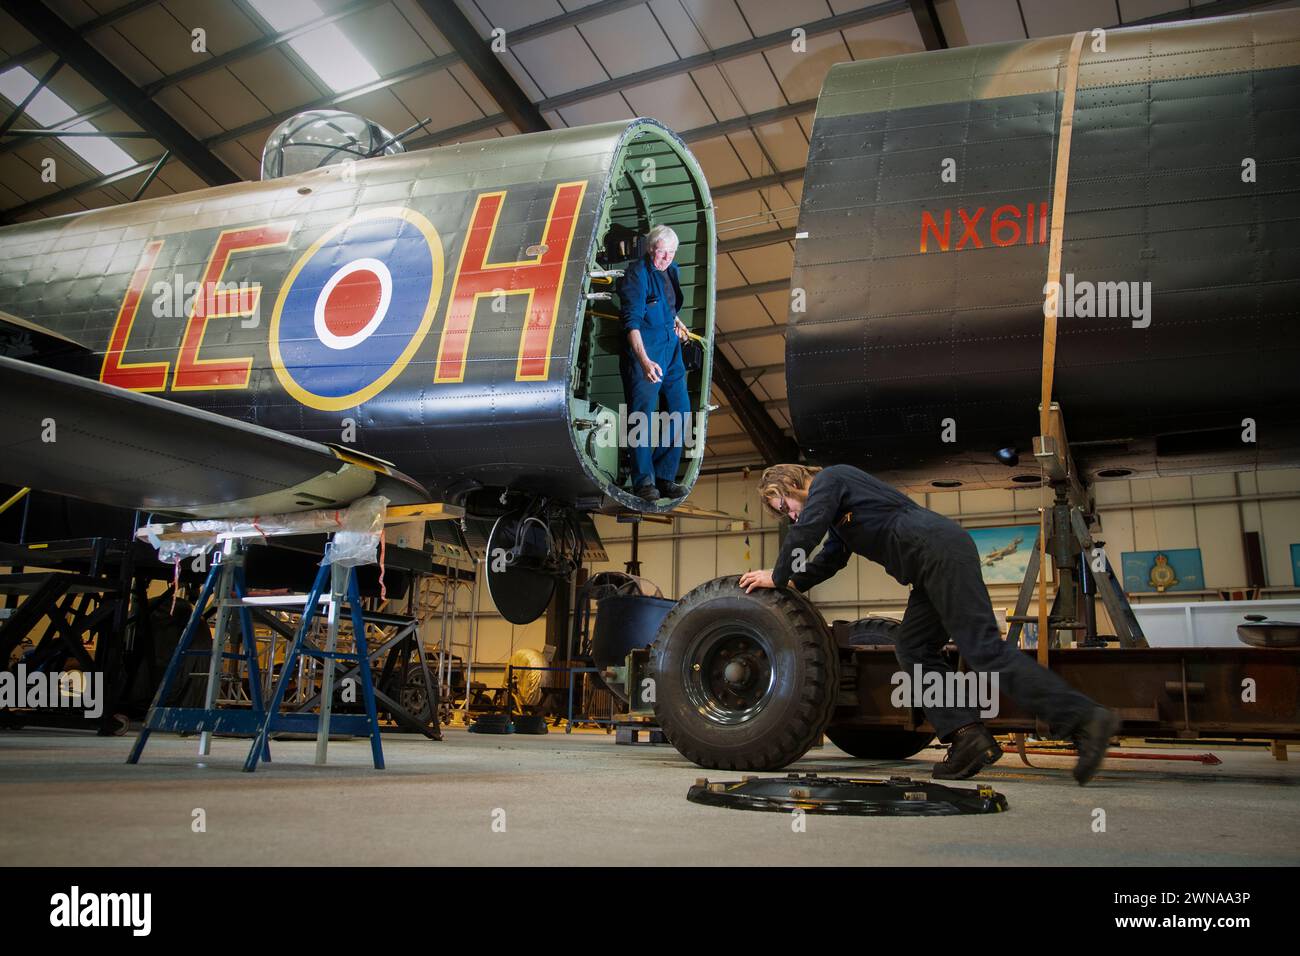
782	481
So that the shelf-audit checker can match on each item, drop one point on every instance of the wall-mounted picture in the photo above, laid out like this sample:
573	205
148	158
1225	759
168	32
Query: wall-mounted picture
1172	569
1295	565
1004	552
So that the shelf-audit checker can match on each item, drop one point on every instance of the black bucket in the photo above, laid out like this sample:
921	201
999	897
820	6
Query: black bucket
625	622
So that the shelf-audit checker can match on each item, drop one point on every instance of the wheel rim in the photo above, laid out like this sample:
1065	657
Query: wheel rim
414	699
728	673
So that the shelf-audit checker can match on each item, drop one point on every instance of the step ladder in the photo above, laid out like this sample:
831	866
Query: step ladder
225	583
439	595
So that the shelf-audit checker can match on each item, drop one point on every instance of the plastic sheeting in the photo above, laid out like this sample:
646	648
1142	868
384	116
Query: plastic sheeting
357	532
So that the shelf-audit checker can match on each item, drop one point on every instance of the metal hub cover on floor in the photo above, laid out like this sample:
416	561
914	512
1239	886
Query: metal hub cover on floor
849	796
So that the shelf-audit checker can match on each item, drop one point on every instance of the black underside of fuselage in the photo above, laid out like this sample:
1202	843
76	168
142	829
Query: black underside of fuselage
896	340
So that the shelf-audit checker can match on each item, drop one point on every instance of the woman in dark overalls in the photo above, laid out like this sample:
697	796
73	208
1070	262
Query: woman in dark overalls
859	514
650	294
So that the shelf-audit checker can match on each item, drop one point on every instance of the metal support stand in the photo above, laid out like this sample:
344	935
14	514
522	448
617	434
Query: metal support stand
633	563
341	579
92	595
395	648
226	580
1082	569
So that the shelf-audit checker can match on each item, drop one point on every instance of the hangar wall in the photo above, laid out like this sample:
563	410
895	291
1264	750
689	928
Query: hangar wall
1140	514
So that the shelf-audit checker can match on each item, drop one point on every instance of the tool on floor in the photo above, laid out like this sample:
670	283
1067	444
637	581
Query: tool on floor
846	796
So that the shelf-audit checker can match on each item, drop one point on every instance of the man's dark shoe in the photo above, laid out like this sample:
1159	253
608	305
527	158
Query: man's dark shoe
648	492
671	489
1092	738
972	749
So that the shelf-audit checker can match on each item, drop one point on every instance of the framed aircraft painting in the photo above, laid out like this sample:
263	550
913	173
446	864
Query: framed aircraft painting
1004	552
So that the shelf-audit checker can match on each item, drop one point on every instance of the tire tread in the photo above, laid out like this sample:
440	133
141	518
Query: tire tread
815	702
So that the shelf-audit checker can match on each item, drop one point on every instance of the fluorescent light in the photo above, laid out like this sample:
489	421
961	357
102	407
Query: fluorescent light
284	15
100	151
48	109
335	58
327	50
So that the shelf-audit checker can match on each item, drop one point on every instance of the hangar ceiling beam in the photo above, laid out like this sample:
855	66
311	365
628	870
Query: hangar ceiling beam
63	40
21	108
729	464
927	23
260	45
90	26
779	178
734	125
769	439
735	51
749	121
263	43
757	332
542	28
335	100
756	240
430	66
758	371
571	19
85	116
485	65
71	192
562	21
1216	8
754	288
112	179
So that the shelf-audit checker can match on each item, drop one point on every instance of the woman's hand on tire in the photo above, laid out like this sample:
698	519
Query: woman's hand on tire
756	579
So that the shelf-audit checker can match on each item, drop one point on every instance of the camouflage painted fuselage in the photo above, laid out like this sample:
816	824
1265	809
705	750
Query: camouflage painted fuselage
921	349
424	308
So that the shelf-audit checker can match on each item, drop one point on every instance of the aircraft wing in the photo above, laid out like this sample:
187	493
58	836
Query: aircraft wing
21	338
77	437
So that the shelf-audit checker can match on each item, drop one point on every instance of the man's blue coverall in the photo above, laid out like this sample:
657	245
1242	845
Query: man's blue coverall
649	302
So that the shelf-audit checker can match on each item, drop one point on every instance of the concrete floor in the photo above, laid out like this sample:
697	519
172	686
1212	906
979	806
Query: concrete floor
70	799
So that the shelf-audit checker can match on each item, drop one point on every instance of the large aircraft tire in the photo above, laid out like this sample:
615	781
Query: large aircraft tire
743	681
877	743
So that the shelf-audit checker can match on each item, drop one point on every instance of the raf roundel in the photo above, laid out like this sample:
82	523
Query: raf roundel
355	308
353	303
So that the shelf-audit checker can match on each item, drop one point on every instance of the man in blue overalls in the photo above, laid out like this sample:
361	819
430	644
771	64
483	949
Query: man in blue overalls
650	294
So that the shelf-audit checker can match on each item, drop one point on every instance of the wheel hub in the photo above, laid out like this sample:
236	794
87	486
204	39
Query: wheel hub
729	674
